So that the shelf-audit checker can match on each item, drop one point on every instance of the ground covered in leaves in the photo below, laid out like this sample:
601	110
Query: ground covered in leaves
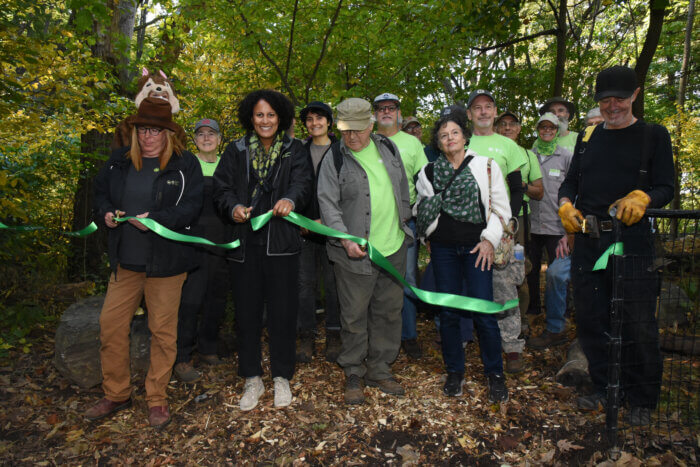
41	422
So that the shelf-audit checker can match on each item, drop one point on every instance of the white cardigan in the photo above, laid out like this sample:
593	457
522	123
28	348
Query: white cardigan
499	196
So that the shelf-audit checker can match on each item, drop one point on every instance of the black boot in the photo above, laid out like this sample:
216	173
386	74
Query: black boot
305	347
332	345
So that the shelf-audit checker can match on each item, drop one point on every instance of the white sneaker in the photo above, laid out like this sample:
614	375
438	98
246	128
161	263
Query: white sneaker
283	396
252	390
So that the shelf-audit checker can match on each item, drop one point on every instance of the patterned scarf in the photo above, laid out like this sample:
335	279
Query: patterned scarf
263	162
461	200
546	149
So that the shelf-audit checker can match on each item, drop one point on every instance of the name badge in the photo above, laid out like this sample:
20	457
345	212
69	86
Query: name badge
554	172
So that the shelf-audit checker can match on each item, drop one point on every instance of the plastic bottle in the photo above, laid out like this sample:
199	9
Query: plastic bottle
519	252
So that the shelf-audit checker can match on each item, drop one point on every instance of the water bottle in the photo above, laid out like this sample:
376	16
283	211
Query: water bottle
519	252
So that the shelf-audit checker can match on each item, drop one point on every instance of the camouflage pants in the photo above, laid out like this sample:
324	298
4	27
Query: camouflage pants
505	287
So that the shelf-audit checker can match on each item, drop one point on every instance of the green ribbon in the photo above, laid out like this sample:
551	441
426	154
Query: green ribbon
178	237
433	298
30	228
602	262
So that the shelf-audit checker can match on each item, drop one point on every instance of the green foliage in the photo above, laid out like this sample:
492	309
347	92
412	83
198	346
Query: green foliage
16	322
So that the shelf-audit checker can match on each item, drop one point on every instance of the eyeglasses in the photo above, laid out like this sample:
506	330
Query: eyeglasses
548	128
504	124
347	133
386	108
206	134
151	131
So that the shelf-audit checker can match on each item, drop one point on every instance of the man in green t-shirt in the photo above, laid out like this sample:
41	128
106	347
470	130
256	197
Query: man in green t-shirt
564	110
387	112
481	112
364	192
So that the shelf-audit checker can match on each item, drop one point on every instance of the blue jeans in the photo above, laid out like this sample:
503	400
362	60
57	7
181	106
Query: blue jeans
465	323
558	277
408	312
454	265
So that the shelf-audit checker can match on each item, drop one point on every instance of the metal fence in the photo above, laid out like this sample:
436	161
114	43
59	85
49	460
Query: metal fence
668	285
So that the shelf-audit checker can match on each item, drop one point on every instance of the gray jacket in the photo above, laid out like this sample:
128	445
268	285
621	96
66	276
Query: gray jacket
344	200
544	219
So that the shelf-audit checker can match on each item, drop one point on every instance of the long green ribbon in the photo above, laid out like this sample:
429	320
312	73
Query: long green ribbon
178	237
433	298
30	228
602	262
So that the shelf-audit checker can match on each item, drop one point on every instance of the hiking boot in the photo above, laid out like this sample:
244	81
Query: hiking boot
283	396
252	390
211	359
305	348
354	390
105	407
186	373
412	349
514	362
638	416
453	385
592	401
332	345
498	392
158	416
388	386
547	339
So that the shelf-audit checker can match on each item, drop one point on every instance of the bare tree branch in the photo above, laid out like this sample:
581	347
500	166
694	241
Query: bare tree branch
153	21
548	32
323	48
291	38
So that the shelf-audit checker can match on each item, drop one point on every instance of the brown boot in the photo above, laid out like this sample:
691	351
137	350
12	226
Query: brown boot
354	390
332	345
158	416
388	386
305	347
186	373
547	339
514	362
105	407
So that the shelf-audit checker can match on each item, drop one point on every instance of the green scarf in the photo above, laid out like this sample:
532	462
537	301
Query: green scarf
546	149
261	161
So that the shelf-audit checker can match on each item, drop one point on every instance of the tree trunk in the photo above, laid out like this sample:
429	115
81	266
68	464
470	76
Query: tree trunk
657	11
561	49
86	253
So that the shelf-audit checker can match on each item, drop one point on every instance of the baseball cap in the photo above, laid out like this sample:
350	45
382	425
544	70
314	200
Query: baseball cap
548	117
408	120
558	100
354	114
320	107
508	113
454	109
387	96
616	81
207	122
479	92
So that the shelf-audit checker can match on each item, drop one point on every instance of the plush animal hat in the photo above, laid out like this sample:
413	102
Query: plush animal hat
156	85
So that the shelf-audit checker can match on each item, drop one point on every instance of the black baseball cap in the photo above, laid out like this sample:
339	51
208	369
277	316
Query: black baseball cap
558	100
479	92
616	81
508	113
318	107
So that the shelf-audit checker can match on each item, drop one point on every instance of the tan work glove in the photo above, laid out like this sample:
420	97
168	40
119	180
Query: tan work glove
571	218
632	207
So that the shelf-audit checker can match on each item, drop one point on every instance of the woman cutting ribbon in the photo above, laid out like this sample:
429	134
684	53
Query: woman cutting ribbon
153	178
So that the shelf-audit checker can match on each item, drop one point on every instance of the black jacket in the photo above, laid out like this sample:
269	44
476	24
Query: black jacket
177	197
292	179
312	211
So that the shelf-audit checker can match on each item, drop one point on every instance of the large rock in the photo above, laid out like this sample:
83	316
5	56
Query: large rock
575	370
674	305
77	354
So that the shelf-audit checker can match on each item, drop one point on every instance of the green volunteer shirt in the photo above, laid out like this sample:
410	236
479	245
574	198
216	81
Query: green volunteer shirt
413	157
506	152
530	172
385	232
208	168
568	141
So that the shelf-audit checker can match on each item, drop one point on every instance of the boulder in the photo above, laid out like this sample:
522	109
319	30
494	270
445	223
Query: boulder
575	370
674	305
77	346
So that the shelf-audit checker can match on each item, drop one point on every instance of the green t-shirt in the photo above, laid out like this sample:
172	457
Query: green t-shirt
208	168
506	152
530	173
385	232
568	141
413	157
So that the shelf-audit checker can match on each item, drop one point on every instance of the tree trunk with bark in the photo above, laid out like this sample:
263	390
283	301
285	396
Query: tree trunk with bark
657	12
560	65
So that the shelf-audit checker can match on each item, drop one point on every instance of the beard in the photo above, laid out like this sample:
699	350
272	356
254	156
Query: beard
563	124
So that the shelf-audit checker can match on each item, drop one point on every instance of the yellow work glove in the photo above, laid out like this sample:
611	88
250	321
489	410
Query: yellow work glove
632	207
571	218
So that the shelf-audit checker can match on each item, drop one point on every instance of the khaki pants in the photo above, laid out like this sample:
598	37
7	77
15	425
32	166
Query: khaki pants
123	298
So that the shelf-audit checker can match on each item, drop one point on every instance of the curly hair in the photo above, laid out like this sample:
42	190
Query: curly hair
279	103
442	121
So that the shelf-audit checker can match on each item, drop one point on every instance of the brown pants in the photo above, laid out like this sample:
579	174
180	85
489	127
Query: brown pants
123	298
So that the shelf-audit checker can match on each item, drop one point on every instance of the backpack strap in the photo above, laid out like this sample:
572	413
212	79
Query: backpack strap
337	157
